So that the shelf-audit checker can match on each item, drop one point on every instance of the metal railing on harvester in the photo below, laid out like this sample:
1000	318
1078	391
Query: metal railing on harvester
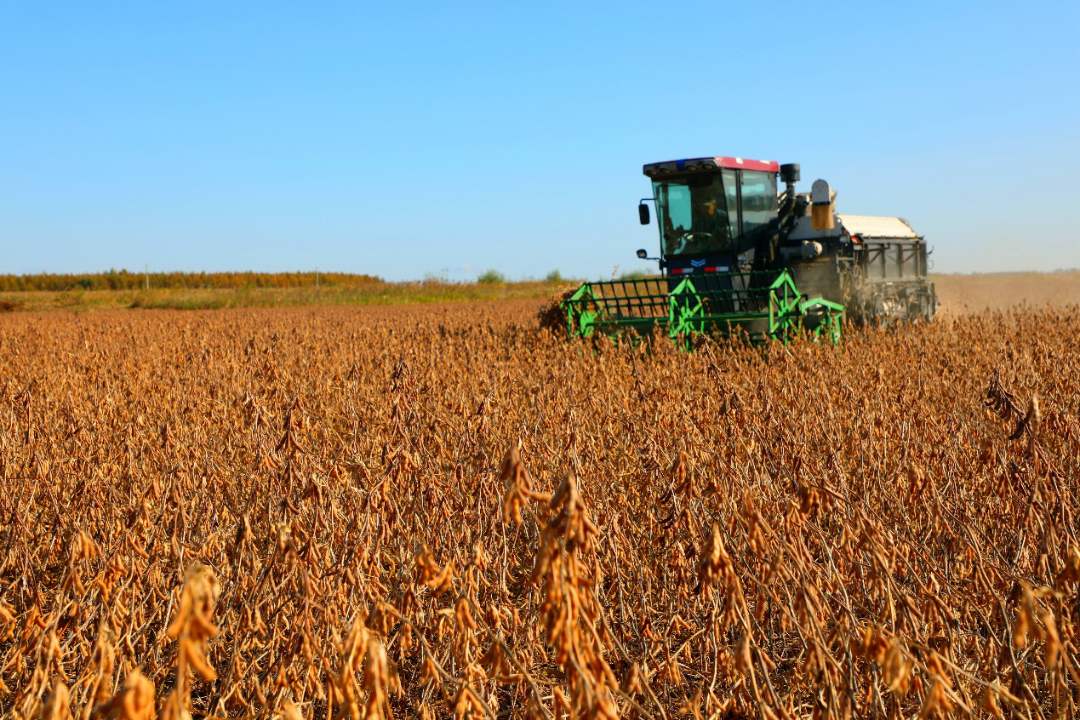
763	305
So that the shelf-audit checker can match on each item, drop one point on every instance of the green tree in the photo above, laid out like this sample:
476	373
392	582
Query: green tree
491	277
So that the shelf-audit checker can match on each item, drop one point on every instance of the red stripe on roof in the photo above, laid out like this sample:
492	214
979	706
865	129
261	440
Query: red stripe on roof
743	163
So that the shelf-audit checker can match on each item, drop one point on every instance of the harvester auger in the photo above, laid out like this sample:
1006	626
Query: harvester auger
738	257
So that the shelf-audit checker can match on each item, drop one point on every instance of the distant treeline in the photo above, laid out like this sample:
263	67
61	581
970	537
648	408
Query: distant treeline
125	280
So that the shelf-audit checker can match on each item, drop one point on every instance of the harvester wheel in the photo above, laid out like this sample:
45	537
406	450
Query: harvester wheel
856	279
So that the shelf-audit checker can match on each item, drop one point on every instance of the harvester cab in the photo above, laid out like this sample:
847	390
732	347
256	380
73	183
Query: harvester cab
737	256
713	213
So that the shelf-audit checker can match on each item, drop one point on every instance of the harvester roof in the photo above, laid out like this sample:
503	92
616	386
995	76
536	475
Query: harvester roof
708	163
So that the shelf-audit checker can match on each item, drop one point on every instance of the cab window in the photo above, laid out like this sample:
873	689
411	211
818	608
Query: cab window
758	200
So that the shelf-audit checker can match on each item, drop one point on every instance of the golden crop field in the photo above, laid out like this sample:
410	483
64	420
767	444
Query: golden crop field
416	513
962	294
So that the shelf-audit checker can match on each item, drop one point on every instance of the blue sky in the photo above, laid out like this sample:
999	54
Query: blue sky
413	138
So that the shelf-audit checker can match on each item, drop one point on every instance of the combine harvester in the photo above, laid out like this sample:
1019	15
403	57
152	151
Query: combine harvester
737	257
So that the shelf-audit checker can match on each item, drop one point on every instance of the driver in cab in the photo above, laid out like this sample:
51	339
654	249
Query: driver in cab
706	219
708	227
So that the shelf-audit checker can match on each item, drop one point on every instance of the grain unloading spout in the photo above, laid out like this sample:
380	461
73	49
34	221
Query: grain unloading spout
822	211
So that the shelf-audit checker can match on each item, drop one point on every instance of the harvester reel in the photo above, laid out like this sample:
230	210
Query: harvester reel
758	304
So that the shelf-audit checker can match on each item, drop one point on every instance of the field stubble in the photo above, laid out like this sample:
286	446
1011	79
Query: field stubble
958	294
404	513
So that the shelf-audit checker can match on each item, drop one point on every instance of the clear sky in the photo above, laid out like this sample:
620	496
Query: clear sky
408	138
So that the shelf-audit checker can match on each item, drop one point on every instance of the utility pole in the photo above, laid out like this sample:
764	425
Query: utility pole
316	277
146	272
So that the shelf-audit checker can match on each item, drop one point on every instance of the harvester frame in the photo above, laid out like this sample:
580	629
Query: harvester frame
738	257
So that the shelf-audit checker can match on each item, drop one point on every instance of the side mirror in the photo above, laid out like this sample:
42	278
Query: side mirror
641	253
643	214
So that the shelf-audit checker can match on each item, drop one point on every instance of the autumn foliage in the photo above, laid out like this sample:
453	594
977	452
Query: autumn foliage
127	280
410	514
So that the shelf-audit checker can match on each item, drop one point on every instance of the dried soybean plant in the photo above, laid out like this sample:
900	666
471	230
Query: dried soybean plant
403	514
192	629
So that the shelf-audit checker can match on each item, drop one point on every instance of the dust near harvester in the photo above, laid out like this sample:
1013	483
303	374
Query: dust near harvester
418	513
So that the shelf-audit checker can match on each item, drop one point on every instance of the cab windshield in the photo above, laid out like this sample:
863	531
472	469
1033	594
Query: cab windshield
698	216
